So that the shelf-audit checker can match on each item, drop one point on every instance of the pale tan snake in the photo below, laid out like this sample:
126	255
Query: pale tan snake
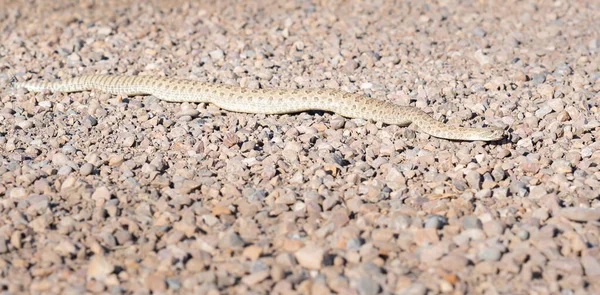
268	101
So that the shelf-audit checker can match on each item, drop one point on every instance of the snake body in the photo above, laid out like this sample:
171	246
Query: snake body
267	101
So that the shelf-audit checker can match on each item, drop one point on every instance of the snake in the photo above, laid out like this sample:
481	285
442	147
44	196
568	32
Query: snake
267	101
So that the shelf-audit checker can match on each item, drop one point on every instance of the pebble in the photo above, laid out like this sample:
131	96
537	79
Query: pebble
156	283
454	263
25	124
60	159
498	173
591	265
193	113
173	284
367	286
435	221
195	265
581	214
472	222
90	120
546	91
252	252
350	66
217	54
479	32
65	170
99	268
557	105
413	289
45	104
18	193
255	278
544	110
231	240
431	254
68	149
115	160
101	193
473	178
562	166
86	169
518	188
493	228
489	253
482	58
310	257
354	243
538	79
366	85
523	234
3	245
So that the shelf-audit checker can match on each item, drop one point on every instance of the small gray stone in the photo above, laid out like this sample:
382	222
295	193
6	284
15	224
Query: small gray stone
498	173
367	286
400	223
479	32
473	178
68	149
483	194
562	69
231	240
60	159
518	188
90	120
354	243
65	170
173	283
257	195
470	222
192	113
86	169
490	254
337	122
544	110
538	79
435	221
460	184
523	234
594	44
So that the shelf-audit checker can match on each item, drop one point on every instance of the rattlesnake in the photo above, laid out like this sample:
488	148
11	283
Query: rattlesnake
268	101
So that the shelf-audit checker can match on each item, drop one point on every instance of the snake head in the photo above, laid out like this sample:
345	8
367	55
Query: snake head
491	134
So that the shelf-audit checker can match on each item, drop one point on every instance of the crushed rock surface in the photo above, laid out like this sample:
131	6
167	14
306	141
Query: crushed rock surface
121	195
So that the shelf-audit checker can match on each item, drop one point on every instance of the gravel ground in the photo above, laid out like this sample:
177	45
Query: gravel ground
108	194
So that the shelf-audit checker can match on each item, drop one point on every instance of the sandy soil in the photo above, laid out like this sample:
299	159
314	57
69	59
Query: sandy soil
121	195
